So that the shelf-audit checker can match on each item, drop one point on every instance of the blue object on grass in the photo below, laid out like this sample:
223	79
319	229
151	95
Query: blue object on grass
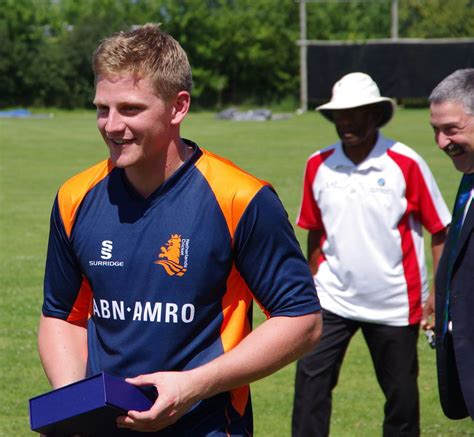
15	113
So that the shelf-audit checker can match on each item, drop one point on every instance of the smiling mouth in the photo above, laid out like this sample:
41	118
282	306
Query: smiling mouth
349	135
453	150
121	142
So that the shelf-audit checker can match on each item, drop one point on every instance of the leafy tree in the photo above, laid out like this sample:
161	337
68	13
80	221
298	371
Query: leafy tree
22	29
437	18
353	20
240	50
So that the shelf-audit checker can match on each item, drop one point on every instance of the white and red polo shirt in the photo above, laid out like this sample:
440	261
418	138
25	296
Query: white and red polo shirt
372	266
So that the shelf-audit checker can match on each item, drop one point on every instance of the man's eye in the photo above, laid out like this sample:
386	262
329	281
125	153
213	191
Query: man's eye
102	109
133	109
451	131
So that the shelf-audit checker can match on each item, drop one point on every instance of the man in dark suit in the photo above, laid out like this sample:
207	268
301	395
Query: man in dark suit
452	118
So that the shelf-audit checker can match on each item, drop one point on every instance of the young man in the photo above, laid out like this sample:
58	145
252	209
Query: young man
365	201
452	118
155	255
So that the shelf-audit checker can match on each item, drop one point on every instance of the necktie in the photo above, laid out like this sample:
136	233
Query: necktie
462	198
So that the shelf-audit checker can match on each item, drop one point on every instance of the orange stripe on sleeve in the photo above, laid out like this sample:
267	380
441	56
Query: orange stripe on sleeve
75	189
82	307
236	304
234	189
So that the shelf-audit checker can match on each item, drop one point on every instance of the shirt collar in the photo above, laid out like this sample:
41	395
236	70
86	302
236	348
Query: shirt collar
373	161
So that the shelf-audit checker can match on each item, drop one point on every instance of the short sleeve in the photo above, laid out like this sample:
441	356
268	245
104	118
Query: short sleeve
424	198
309	216
63	278
434	213
270	260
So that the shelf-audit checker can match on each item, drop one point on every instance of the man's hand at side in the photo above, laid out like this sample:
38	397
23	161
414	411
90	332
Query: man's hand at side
427	318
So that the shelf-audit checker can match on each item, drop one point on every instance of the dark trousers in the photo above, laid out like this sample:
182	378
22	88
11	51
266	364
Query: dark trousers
394	355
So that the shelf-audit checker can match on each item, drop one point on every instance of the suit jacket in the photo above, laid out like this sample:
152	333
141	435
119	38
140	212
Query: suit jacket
455	354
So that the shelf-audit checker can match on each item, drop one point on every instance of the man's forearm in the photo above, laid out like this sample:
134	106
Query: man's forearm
63	350
437	246
273	345
314	249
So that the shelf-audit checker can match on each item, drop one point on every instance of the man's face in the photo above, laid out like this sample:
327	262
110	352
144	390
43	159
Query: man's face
454	133
356	126
134	122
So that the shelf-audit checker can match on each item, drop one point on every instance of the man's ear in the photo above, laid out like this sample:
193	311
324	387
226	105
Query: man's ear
181	105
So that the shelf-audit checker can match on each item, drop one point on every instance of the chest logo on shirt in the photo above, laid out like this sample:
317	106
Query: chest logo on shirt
106	256
106	250
174	255
380	187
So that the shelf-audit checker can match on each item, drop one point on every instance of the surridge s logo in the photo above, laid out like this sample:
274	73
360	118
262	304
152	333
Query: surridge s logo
106	255
174	255
106	249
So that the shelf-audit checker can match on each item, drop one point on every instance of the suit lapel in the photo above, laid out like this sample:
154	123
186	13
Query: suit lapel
466	228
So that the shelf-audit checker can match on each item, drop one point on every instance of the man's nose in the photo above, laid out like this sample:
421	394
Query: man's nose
442	140
114	122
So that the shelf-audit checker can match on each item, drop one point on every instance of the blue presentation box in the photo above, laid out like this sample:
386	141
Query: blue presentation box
87	406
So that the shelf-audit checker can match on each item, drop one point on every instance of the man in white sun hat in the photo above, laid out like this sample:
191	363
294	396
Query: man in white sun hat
365	201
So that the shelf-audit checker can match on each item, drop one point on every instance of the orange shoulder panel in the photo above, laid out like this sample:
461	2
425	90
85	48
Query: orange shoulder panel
233	187
73	191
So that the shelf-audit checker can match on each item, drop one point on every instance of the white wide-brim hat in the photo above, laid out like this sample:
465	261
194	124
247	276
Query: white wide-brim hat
354	90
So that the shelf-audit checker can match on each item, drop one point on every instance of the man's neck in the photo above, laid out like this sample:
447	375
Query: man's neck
359	153
147	177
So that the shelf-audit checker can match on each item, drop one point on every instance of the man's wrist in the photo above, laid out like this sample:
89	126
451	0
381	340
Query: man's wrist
206	381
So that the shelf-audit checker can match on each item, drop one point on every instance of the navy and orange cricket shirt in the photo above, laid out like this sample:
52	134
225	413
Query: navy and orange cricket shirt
167	282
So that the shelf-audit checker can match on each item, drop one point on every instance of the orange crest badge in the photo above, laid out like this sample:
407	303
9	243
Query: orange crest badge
171	254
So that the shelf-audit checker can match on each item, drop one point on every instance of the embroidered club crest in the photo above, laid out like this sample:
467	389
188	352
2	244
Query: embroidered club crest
169	257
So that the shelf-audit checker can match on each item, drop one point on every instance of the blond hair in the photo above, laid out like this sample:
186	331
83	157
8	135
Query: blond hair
145	52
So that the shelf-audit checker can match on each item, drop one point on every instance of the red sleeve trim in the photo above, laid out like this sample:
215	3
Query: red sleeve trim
310	215
419	199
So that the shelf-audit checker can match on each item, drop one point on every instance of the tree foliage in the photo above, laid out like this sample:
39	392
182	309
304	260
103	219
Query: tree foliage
240	50
442	19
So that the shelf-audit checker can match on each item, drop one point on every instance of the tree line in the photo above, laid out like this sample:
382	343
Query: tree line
240	50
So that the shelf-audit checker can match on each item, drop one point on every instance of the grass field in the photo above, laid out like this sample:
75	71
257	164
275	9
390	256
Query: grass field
37	155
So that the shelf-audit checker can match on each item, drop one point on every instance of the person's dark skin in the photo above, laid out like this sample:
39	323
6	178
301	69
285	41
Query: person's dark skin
357	129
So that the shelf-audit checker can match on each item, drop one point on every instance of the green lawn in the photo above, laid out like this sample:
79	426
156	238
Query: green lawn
37	155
